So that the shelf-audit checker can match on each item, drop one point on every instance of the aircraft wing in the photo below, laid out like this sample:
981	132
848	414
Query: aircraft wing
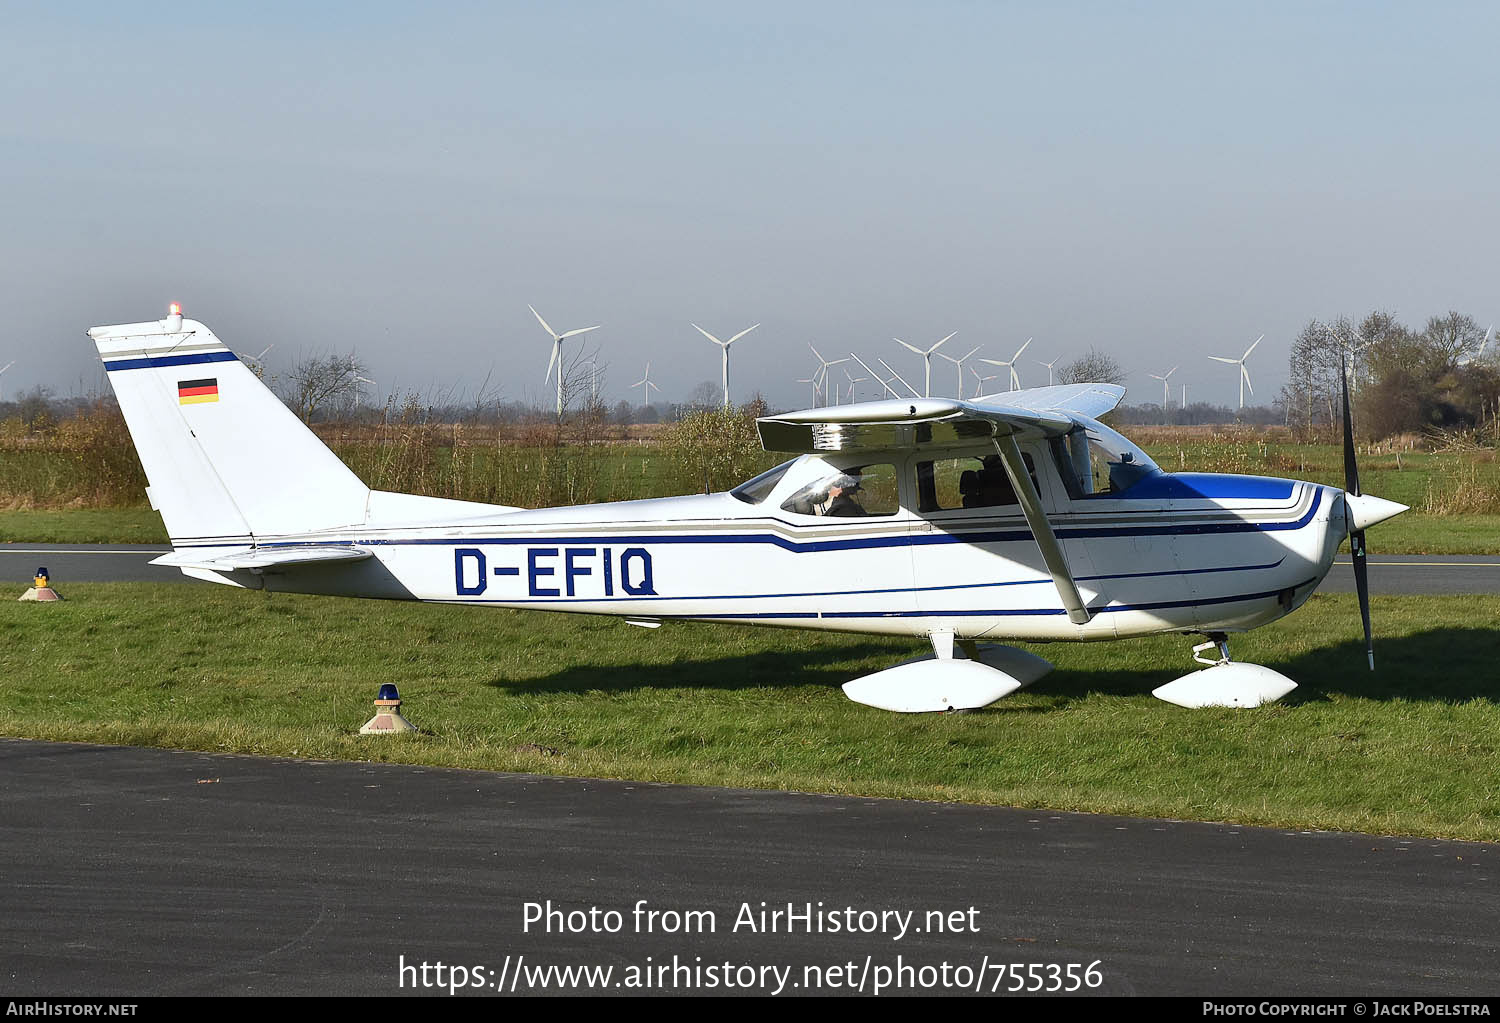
1091	400
906	422
261	557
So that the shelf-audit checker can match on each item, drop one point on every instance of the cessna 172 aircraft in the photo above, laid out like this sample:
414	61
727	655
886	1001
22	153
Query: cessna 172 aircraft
1016	516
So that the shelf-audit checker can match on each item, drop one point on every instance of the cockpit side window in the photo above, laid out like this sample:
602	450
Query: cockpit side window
855	492
971	481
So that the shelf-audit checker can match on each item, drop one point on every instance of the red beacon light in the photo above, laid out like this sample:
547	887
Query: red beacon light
174	316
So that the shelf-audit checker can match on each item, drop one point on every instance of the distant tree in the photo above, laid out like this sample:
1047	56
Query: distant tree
1400	381
1394	404
1094	368
1379	328
581	381
324	387
1310	397
594	418
707	395
34	408
1450	339
624	414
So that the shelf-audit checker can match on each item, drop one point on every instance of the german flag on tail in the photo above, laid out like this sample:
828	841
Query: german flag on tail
197	392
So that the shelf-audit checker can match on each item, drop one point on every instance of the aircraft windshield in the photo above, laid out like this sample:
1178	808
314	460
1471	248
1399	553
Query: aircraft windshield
756	490
1097	461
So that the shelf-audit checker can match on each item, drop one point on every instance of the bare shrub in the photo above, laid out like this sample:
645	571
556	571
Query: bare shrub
716	448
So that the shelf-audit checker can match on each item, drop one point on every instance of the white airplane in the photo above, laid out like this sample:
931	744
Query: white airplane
1016	516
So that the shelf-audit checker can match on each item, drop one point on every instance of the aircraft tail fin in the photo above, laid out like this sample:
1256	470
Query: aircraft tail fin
226	461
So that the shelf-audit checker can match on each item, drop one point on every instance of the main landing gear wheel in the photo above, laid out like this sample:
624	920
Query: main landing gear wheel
942	682
1224	683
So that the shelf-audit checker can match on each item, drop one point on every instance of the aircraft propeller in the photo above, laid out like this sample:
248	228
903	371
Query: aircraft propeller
1356	536
1360	511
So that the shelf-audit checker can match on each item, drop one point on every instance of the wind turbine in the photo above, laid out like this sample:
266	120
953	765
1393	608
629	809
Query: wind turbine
259	360
876	376
852	381
1244	371
958	365
646	386
1049	366
1166	388
556	359
926	358
1184	395
814	381
1489	336
1015	378
898	376
979	381
725	345
7	366
823	365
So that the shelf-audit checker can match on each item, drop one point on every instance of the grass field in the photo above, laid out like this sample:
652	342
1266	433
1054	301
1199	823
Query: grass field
1414	533
82	525
1414	749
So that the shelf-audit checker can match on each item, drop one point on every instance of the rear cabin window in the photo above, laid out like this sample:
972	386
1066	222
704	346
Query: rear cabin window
855	492
972	481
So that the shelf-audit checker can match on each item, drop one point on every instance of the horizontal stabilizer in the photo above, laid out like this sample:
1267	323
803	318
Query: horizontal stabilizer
254	557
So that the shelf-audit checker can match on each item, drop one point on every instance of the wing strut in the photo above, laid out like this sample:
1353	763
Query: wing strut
1046	539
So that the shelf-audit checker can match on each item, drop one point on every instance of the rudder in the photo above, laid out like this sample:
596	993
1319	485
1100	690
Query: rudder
226	460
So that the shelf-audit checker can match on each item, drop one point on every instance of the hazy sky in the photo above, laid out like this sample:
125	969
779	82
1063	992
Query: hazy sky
1163	181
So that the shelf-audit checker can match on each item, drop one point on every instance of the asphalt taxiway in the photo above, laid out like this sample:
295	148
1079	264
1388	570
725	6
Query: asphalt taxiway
147	872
